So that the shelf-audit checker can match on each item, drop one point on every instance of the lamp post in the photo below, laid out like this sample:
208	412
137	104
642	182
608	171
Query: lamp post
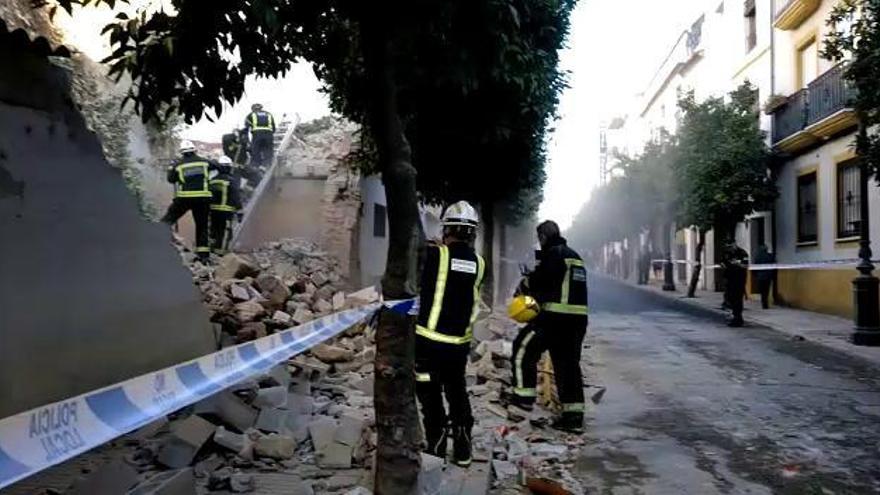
668	278
866	287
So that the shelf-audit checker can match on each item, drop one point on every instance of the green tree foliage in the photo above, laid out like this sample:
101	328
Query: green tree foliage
638	198
855	37
721	171
405	70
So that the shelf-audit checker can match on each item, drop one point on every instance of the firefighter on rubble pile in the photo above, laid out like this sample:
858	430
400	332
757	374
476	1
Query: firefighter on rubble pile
554	298
450	295
190	176
225	203
261	124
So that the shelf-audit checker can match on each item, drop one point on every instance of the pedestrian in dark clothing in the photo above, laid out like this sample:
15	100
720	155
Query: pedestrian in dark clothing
764	278
735	266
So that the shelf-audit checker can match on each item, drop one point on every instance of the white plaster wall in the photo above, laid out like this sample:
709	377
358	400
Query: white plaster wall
787	41
373	250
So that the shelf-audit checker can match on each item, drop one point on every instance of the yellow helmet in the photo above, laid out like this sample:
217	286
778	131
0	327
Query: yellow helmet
523	309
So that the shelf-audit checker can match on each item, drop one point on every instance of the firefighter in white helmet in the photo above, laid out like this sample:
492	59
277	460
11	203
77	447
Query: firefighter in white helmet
190	176
450	300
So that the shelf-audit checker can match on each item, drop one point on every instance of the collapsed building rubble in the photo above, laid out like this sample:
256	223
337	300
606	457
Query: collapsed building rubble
308	425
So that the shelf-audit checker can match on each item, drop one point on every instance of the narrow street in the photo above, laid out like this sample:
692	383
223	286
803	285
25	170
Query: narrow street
693	406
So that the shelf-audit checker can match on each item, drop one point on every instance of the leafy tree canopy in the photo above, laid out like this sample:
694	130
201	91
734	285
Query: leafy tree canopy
855	37
721	171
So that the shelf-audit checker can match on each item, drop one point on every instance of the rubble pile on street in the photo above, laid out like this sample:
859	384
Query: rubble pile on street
277	286
522	450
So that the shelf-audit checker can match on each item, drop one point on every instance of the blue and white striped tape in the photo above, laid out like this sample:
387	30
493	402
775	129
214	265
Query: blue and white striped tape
37	439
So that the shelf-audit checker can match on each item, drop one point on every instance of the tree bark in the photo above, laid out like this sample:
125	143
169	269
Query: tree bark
399	436
488	228
698	266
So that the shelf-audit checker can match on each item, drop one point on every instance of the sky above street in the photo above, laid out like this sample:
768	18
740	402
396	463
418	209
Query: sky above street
614	48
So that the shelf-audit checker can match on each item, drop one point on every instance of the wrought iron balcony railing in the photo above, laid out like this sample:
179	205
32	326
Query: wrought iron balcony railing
827	95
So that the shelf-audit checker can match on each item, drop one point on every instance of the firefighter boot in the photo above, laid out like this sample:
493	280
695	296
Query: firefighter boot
437	443
461	446
569	422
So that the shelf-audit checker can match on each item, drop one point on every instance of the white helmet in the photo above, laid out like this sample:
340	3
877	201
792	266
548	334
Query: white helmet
224	160
187	146
461	214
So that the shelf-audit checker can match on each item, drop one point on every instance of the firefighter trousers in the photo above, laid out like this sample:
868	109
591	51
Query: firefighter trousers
199	208
262	149
440	371
563	336
220	223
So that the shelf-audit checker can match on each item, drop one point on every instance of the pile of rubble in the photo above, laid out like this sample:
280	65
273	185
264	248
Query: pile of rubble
522	451
280	285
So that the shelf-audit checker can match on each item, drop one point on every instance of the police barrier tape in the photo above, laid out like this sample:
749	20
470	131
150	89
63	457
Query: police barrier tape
782	266
42	437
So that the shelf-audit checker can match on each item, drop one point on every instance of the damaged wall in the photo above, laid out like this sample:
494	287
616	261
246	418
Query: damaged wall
90	292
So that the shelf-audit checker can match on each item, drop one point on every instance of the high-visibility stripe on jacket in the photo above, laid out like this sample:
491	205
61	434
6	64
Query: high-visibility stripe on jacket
224	194
559	282
190	178
261	121
450	293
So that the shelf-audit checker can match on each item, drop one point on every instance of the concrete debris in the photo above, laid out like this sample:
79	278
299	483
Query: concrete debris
271	397
338	302
241	483
249	311
275	446
238	443
239	293
335	456
226	408
504	469
187	437
302	315
362	297
281	318
179	482
235	266
331	354
359	491
322	431
323	307
113	477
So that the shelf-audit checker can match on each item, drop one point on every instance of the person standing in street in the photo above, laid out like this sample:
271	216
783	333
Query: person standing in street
559	285
190	176
450	295
261	125
735	266
225	204
764	277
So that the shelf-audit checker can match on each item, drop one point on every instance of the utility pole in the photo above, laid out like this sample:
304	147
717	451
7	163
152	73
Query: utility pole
668	274
866	287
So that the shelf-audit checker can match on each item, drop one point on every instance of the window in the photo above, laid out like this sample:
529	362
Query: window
808	218
849	213
751	24
807	62
378	220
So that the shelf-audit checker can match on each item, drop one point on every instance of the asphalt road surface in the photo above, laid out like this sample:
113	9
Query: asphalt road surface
693	406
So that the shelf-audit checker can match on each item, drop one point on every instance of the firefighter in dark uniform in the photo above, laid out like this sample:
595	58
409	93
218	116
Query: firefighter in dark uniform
225	203
559	285
190	176
450	298
261	125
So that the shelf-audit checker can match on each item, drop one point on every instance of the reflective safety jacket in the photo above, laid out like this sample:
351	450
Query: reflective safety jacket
559	282
231	145
260	121
450	293
190	177
225	193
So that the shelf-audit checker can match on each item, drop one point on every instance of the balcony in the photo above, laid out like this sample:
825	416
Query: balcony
791	14
818	112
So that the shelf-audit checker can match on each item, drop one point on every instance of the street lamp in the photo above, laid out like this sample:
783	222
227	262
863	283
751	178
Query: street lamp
668	278
866	287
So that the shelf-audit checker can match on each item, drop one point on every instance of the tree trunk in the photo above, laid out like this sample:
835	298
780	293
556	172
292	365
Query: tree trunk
698	267
399	436
488	229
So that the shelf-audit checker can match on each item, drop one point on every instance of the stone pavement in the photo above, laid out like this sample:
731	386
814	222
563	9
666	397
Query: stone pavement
821	329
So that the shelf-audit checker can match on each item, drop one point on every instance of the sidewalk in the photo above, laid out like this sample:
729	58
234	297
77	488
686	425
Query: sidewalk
828	331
